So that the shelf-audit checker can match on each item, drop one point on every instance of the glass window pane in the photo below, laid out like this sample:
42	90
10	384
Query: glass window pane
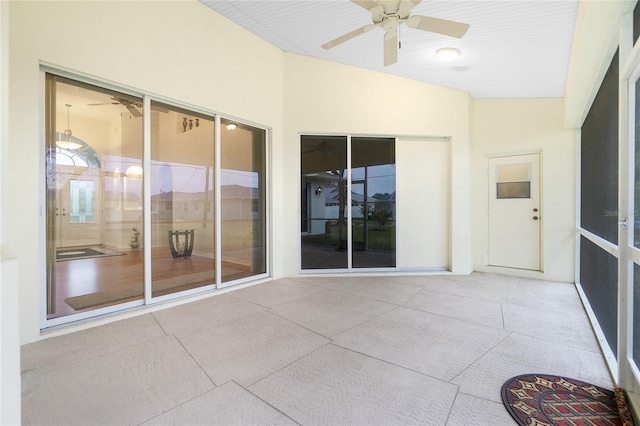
323	202
94	213
243	200
81	201
373	202
182	200
514	190
514	173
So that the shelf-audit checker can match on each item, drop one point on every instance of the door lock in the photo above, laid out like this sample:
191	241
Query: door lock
535	218
535	210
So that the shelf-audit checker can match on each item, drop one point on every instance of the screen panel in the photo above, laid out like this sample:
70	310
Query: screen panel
599	161
599	280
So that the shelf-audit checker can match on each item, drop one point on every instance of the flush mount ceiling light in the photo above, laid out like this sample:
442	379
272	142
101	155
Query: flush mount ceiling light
66	141
232	126
447	54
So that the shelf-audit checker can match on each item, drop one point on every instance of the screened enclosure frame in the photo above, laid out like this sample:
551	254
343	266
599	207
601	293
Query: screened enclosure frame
624	250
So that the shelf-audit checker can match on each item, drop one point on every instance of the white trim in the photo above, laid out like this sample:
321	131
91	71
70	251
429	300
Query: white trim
625	288
605	245
146	193
609	357
218	201
349	215
578	214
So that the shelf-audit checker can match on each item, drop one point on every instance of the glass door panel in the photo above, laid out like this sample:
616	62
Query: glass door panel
242	200
373	200
93	210
323	239
182	200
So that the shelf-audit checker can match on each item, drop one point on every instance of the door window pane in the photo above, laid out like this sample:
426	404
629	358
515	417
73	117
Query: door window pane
81	201
243	200
324	200
373	202
94	212
182	200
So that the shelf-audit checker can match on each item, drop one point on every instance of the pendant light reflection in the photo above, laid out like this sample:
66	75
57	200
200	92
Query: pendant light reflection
66	143
134	172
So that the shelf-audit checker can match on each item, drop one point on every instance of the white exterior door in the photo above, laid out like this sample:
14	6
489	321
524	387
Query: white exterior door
78	210
514	212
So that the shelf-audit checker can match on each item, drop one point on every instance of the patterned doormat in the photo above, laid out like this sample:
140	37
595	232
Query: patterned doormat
543	399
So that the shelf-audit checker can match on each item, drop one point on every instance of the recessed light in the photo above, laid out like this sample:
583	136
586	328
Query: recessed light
447	54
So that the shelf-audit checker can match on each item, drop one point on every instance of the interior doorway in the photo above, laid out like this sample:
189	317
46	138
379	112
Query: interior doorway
78	208
514	212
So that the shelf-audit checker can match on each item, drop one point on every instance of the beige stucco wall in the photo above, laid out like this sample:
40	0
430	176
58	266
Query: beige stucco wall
180	51
517	126
329	98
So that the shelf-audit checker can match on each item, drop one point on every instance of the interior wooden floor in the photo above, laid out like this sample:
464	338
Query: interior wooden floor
79	277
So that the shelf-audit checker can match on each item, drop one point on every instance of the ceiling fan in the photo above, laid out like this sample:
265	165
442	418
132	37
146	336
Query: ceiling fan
389	15
130	105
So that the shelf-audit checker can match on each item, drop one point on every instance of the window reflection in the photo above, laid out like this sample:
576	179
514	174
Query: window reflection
91	211
182	200
373	195
324	202
242	198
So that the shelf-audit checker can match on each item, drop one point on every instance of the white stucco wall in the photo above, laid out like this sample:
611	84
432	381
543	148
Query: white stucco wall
516	126
10	401
177	50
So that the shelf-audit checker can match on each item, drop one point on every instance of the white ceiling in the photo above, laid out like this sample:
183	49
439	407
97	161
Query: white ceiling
513	49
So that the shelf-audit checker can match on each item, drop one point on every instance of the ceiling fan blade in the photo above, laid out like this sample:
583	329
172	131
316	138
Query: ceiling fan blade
366	4
391	47
134	111
348	36
406	5
437	25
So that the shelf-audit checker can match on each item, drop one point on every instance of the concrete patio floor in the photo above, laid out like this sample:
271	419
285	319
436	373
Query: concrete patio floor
318	351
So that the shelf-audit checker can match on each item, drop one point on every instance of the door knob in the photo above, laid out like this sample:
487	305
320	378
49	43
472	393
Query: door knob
535	210
535	218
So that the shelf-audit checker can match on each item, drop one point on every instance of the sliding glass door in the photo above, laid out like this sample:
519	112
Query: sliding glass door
94	197
182	199
373	192
124	170
243	203
324	202
347	223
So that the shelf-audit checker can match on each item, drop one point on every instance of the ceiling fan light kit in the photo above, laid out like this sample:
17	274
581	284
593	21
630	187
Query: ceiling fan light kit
447	54
390	15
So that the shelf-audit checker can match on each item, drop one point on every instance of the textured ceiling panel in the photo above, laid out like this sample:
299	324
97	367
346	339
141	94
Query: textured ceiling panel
513	49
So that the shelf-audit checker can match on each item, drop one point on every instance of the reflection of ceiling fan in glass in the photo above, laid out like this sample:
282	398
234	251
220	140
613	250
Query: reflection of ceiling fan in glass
132	106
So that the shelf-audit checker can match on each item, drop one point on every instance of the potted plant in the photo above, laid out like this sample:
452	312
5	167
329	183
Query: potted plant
135	243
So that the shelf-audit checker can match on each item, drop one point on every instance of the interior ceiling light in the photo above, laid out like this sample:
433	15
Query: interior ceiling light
447	54
66	142
232	126
134	172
